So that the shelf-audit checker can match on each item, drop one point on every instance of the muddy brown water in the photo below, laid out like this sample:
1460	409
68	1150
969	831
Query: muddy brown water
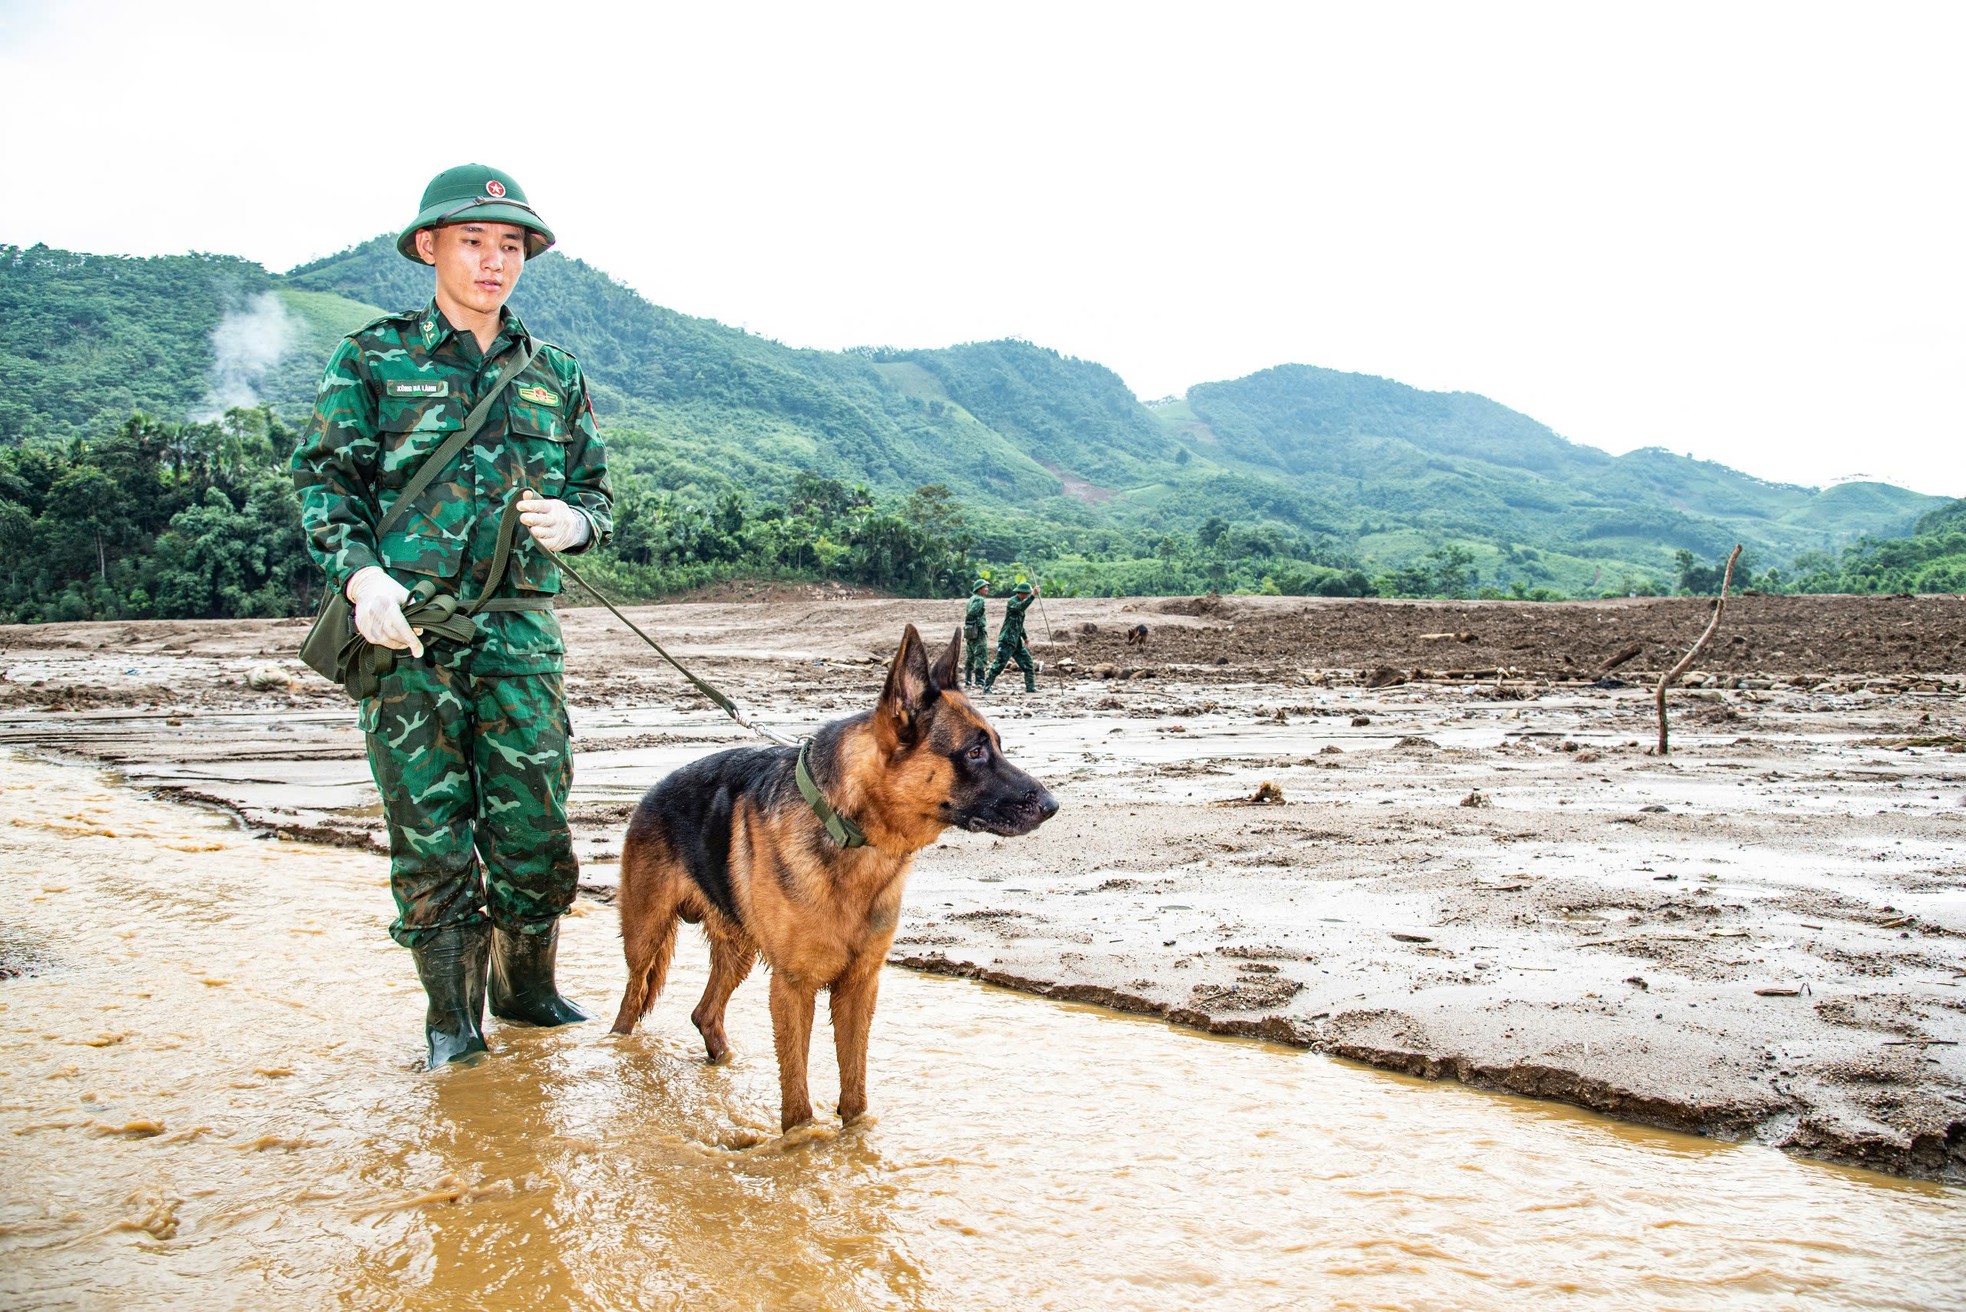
209	1098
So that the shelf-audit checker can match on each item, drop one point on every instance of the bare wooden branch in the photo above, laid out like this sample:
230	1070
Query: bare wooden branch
1623	654
1671	676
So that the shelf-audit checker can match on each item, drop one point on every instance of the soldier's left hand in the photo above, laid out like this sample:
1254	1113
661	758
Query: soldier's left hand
554	524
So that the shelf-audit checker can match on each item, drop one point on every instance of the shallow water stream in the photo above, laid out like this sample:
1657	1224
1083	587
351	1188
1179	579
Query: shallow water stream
209	1098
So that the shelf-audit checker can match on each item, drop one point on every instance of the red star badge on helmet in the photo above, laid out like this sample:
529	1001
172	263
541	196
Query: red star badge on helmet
493	187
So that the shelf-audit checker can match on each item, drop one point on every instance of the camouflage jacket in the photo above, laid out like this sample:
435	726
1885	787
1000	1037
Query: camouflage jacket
1013	617
394	391
973	619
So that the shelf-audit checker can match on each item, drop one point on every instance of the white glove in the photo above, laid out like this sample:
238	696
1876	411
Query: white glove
555	525
378	603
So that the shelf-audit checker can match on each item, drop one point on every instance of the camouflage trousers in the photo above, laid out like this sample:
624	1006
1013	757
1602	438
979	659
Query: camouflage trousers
1006	651
976	654
474	772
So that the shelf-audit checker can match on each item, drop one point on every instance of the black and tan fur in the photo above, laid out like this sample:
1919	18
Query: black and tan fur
729	843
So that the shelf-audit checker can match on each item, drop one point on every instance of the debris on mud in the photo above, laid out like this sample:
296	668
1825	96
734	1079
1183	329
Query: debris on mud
1267	794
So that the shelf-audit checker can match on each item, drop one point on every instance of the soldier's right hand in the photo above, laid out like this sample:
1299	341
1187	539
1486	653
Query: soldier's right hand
378	601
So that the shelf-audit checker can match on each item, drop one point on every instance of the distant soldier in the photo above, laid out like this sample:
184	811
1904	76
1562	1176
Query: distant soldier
1010	638
975	653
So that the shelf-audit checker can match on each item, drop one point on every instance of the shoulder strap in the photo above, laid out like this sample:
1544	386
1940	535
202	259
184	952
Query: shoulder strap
444	454
394	316
508	527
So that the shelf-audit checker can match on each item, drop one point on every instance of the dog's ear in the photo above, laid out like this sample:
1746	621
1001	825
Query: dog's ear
945	671
909	692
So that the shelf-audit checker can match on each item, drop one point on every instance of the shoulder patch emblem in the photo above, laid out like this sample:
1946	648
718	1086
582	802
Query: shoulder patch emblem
539	396
416	387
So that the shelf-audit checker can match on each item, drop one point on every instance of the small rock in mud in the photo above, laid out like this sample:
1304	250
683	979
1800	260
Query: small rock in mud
267	678
1360	721
1476	798
1385	677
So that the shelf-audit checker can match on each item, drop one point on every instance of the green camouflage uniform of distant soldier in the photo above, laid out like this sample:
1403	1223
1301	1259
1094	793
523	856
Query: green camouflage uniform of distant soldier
468	742
976	652
1010	639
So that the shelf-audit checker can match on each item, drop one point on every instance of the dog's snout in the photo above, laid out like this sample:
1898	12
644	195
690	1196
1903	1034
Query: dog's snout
1045	804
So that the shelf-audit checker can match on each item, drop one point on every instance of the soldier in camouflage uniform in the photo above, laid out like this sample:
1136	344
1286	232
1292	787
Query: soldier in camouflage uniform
975	630
468	742
1010	638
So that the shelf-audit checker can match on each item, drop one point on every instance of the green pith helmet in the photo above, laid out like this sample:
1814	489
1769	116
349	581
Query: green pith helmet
981	583
475	193
1023	588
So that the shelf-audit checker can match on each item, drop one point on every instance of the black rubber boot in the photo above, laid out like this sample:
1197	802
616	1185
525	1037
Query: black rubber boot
451	964
522	979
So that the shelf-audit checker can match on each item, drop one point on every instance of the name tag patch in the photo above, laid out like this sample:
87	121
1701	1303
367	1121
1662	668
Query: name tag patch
416	387
539	396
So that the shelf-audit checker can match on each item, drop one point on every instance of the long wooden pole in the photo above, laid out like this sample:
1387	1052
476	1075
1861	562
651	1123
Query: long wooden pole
1038	584
1671	676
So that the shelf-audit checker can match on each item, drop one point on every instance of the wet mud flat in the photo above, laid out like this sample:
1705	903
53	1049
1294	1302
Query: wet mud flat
210	1096
1475	872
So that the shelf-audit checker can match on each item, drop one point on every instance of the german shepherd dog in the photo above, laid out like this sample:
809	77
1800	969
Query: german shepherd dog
729	842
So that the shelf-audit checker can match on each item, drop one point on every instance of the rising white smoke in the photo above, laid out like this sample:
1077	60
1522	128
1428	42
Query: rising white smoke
246	345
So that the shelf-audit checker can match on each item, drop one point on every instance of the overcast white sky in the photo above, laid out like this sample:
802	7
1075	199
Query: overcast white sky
1731	230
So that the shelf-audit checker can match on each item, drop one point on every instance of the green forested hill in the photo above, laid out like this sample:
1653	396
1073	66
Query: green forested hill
86	339
1462	465
728	407
1296	477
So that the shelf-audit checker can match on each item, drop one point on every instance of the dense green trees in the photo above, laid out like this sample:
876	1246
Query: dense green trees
666	542
200	521
1932	559
154	519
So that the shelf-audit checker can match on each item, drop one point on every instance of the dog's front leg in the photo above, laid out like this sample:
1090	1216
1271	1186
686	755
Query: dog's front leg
853	1016
791	1032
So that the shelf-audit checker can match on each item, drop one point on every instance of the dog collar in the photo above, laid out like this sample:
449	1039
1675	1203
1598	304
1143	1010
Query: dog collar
843	831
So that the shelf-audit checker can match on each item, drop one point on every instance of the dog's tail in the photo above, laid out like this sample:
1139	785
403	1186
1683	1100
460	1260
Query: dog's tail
651	893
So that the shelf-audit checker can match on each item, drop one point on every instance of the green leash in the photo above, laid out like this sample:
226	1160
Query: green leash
842	830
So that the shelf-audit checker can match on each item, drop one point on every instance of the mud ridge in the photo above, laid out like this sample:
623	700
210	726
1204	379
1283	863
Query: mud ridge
1780	1123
